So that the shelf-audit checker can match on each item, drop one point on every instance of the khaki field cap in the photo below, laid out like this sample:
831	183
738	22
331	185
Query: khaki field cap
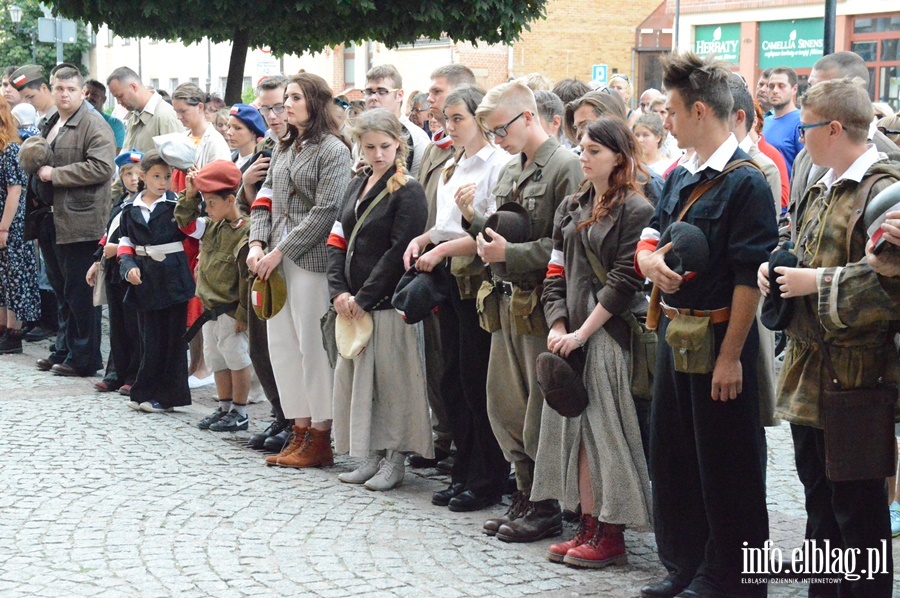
352	336
268	296
24	75
35	153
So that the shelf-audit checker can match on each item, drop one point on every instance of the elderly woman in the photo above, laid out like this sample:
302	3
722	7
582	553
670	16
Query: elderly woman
293	213
19	299
379	396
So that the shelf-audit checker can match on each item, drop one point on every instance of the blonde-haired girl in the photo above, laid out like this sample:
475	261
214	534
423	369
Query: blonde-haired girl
380	408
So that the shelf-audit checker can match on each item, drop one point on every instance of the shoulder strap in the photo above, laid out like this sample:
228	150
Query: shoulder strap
362	218
859	204
600	273
708	184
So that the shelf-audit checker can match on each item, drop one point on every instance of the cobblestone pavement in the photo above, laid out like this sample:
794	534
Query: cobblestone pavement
100	500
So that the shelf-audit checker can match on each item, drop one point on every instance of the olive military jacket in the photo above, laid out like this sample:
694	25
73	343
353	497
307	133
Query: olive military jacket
554	174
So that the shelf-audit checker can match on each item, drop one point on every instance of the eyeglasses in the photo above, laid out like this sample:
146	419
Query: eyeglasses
417	110
501	132
886	131
381	91
277	109
801	129
341	103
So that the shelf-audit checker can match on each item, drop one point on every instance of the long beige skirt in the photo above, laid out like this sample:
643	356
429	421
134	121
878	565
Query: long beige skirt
380	398
612	439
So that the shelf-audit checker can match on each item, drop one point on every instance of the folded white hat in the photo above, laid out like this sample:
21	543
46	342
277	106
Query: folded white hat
352	336
176	150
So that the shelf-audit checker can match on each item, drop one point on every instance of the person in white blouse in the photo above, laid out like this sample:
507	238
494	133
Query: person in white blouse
464	189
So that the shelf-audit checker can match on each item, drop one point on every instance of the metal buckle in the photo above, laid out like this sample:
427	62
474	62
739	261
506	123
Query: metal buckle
506	288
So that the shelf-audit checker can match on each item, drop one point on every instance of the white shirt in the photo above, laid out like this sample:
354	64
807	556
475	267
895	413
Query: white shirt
146	210
483	169
152	103
857	170
718	160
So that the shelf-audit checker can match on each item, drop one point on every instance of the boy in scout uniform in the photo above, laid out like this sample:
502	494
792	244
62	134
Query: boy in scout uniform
222	285
538	179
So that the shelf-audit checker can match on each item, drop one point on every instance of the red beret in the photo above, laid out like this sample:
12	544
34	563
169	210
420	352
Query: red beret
218	176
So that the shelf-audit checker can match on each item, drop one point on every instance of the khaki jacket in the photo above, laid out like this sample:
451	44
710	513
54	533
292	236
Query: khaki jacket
142	127
83	164
554	174
430	170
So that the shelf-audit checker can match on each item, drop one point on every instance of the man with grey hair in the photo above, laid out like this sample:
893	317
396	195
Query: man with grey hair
148	114
550	111
648	97
384	89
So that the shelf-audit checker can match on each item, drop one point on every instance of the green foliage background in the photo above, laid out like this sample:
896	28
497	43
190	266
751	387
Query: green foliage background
15	44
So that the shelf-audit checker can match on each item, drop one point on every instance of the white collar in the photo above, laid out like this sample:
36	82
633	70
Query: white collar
873	128
139	202
718	160
857	170
152	104
746	143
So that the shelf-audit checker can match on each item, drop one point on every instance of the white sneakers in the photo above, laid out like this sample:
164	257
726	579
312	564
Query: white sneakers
365	471
195	382
390	474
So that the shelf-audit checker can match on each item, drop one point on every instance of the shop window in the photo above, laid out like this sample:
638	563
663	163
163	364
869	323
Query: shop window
877	25
867	50
890	50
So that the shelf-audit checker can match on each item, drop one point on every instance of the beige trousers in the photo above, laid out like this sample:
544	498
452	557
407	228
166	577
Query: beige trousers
302	373
514	399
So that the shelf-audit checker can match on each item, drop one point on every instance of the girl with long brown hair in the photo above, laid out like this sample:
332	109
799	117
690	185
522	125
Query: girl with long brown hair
291	217
596	460
19	299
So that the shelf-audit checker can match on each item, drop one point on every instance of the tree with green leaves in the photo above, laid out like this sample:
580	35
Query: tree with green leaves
16	39
294	27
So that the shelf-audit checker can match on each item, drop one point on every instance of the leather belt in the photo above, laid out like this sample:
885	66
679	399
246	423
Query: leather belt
716	316
505	288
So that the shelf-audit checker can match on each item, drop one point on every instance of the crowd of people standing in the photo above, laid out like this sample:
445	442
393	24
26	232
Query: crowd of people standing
459	278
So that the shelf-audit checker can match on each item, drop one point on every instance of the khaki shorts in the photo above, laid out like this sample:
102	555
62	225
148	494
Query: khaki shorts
223	348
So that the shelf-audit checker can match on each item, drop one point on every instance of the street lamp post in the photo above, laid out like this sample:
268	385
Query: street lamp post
15	15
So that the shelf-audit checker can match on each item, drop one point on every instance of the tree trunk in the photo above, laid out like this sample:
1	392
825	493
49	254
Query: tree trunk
234	85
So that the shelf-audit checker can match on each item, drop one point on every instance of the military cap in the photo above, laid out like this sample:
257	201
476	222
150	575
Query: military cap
690	248
268	296
219	176
352	336
886	201
418	293
561	381
24	75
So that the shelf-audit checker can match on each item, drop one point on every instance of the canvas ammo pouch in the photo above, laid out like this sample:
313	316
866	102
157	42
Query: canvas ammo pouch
487	303
693	343
469	274
643	360
526	314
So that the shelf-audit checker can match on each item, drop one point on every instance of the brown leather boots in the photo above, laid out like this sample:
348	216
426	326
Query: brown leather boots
307	447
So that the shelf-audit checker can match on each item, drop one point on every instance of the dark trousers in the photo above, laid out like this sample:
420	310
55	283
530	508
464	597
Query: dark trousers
480	464
124	335
78	339
163	375
709	499
847	514
262	365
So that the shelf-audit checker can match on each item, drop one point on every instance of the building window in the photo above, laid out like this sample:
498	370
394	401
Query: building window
195	81
173	83
876	38
154	83
110	36
426	42
223	83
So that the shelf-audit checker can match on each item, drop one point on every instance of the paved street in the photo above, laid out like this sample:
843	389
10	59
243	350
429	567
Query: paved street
96	499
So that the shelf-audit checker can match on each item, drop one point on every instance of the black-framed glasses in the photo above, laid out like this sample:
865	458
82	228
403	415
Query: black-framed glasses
501	132
801	129
418	110
277	109
886	131
339	102
381	91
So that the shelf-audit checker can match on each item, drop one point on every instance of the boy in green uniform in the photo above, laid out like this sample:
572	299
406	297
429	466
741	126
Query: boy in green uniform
543	173
222	285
